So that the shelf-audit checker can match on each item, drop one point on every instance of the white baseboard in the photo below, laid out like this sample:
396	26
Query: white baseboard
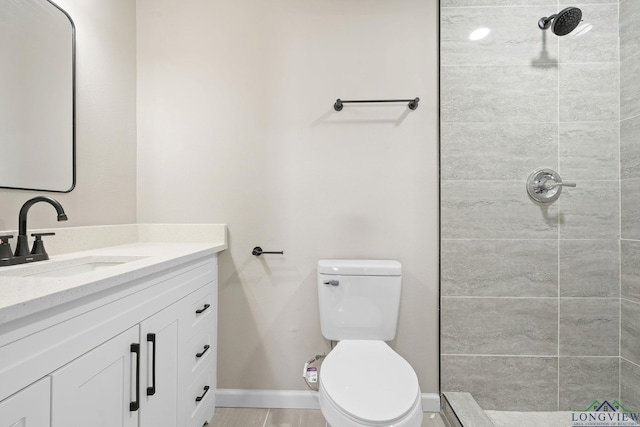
292	399
287	399
430	402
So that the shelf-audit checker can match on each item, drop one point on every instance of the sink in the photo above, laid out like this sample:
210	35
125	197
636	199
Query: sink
68	267
76	269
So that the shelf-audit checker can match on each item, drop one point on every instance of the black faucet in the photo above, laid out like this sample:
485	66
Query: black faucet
22	247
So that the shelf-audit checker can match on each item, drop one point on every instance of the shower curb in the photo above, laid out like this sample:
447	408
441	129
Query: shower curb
461	410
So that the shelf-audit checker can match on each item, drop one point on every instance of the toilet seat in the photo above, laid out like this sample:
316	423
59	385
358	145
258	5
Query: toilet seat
369	383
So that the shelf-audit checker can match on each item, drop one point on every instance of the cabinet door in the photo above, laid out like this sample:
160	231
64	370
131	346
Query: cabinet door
97	388
30	407
159	336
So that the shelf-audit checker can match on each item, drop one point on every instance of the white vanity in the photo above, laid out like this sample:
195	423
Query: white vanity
119	336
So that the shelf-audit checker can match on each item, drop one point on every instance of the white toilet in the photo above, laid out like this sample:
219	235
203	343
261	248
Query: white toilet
364	382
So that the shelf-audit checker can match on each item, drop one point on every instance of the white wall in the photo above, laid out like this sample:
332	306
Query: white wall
105	123
236	126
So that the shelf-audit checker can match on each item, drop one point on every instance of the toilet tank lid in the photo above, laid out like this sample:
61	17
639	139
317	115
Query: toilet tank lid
360	267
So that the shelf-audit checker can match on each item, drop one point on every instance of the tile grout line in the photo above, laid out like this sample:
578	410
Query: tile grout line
526	122
620	318
630	361
525	239
630	301
558	227
266	418
551	297
525	65
619	210
547	356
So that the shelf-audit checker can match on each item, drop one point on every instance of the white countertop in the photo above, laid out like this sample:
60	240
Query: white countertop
22	296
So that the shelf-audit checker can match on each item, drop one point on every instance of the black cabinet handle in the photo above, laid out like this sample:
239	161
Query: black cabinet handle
152	390
199	398
202	310
135	405
199	355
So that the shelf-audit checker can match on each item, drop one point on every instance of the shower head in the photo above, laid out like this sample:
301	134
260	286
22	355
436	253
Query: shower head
563	22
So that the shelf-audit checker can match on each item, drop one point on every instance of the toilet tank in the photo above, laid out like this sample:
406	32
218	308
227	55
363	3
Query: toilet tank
359	299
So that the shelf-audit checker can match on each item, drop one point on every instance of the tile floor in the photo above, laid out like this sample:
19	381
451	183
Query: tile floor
252	417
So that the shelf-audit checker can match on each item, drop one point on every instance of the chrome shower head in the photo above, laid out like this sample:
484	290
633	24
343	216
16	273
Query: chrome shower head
563	22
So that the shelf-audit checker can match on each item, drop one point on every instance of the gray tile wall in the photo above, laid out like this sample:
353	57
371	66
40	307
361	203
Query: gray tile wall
630	201
531	295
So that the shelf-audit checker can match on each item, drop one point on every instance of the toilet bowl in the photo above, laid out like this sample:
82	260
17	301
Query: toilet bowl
364	383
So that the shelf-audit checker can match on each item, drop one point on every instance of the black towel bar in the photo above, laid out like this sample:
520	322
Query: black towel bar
413	103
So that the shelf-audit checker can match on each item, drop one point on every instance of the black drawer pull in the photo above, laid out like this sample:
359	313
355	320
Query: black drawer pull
202	310
199	398
135	405
199	355
152	390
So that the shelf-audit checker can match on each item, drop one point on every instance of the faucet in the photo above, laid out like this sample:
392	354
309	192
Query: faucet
22	246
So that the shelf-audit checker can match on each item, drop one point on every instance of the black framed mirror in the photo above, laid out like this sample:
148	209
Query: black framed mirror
37	96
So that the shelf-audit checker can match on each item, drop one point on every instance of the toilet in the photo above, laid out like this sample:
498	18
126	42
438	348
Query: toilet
363	381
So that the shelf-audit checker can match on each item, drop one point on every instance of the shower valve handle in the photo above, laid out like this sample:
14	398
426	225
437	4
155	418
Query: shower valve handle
544	186
550	184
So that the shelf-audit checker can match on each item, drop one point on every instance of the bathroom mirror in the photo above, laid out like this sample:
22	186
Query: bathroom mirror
37	101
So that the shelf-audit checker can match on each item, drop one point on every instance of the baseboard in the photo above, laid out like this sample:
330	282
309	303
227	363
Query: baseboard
286	399
292	399
430	402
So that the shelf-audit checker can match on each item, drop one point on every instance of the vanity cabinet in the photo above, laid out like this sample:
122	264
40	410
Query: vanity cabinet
29	407
142	355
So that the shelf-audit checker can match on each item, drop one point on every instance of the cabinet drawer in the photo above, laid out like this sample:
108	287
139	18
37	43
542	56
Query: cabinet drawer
204	417
200	352
200	403
203	307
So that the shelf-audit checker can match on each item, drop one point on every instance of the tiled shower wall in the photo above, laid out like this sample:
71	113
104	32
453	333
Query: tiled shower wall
531	294
630	186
